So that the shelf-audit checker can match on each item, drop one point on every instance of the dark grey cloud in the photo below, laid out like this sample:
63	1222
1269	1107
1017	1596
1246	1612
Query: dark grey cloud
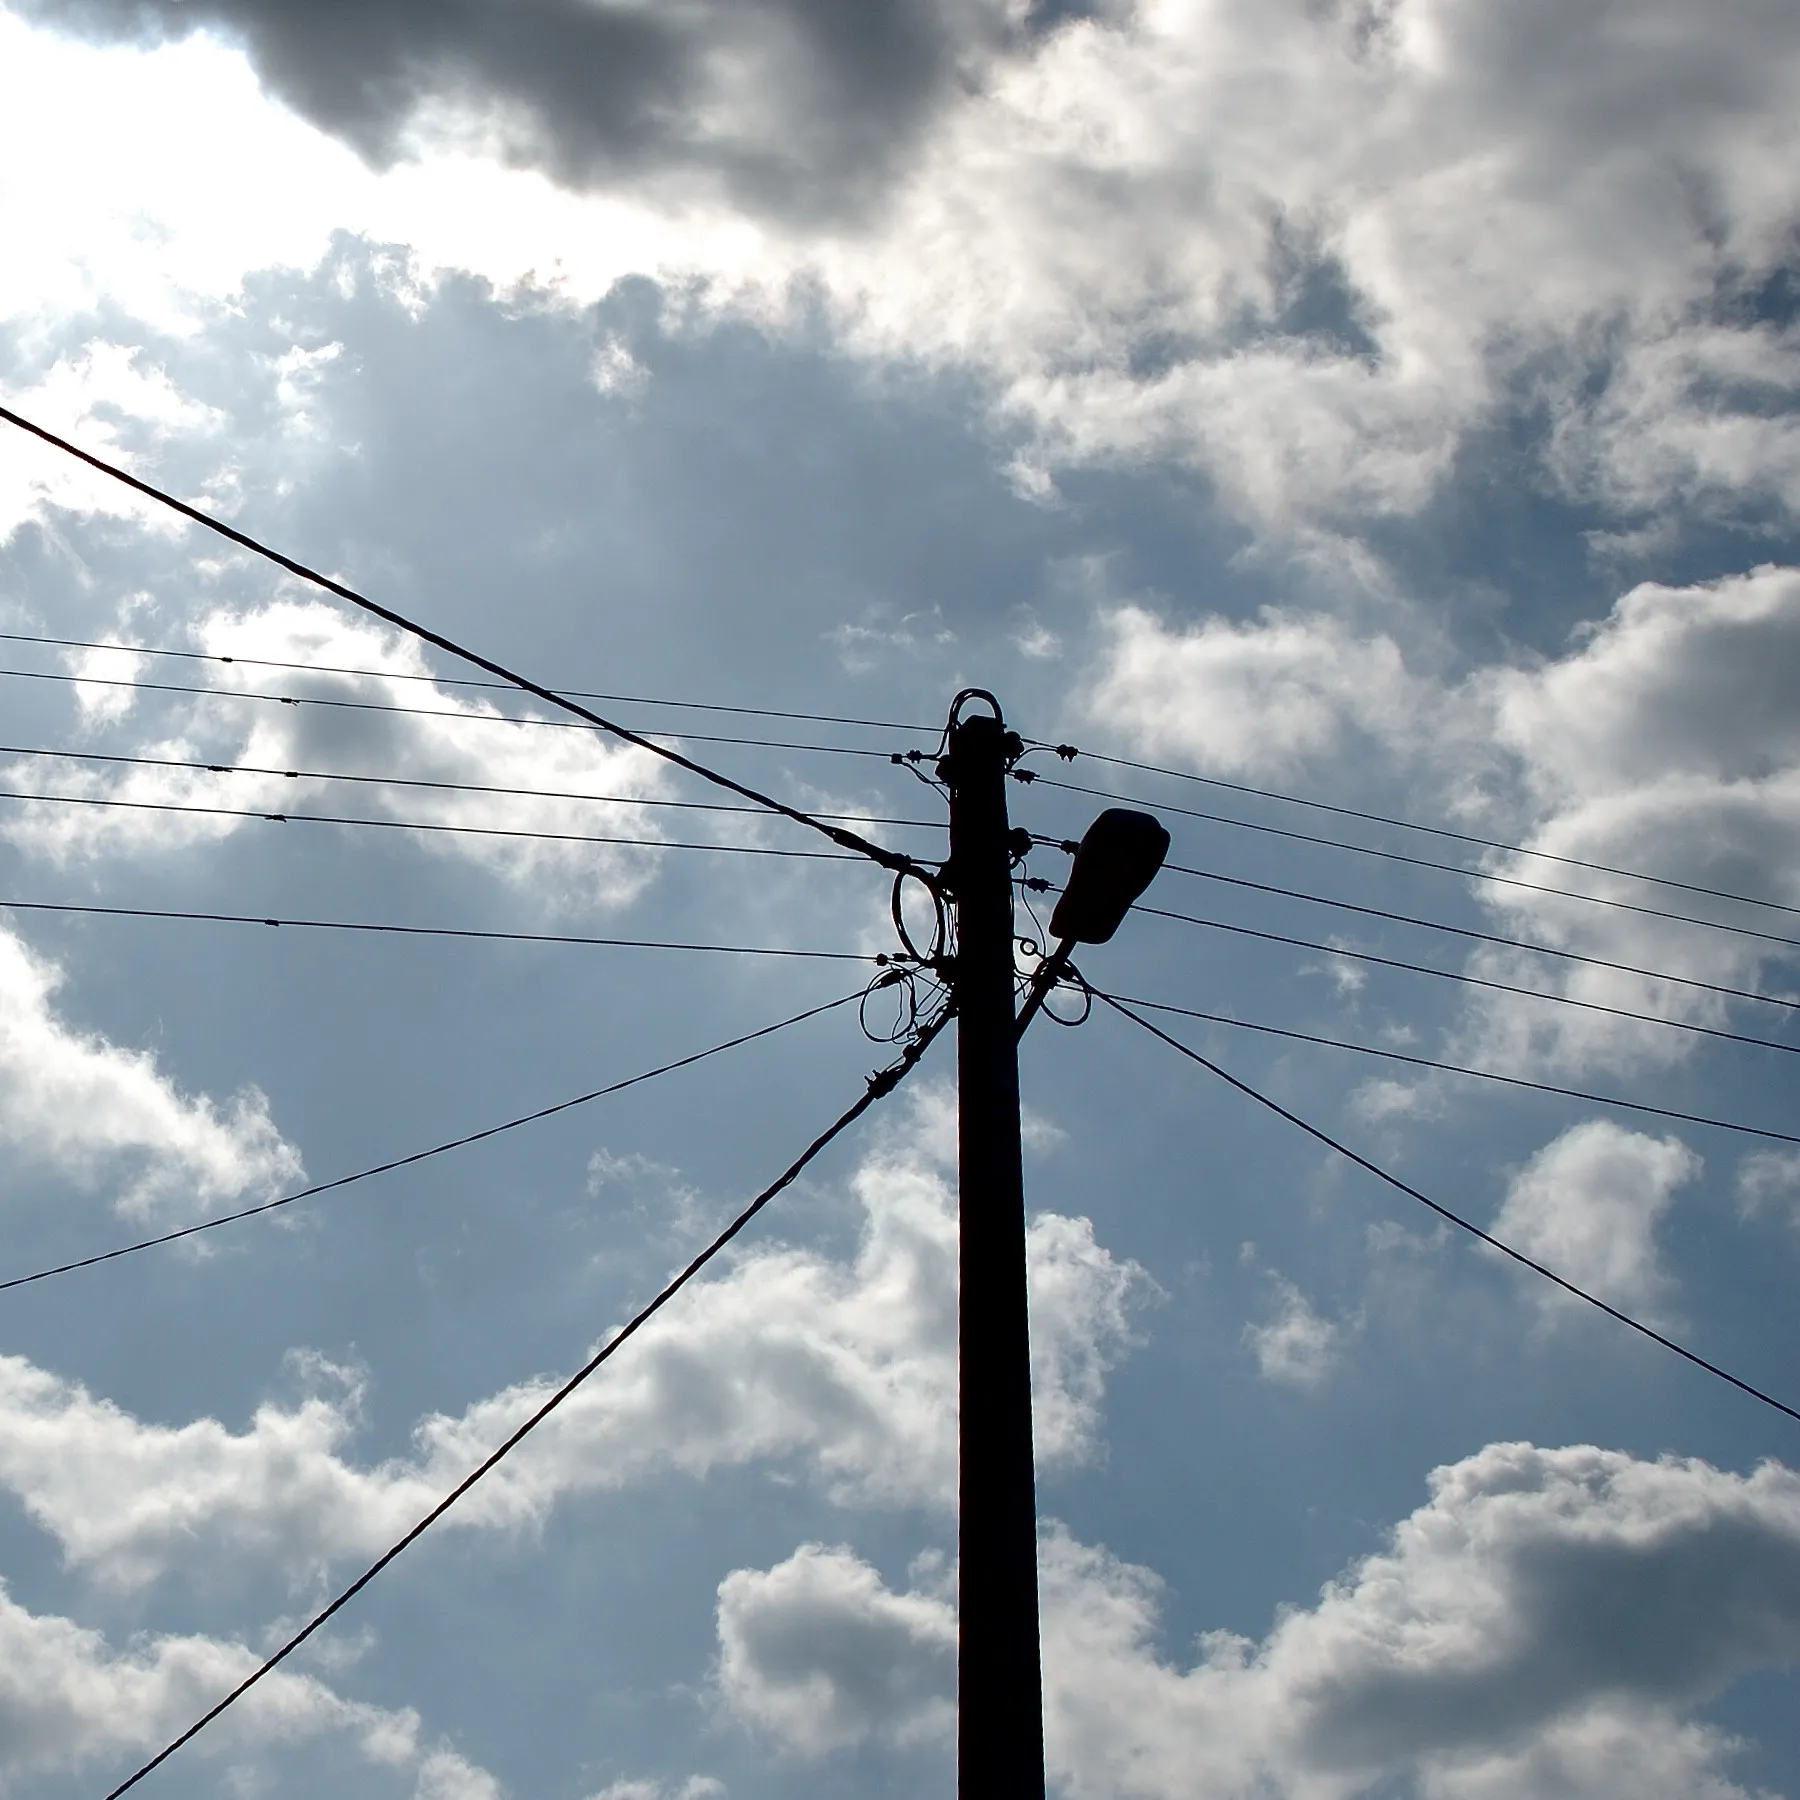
800	107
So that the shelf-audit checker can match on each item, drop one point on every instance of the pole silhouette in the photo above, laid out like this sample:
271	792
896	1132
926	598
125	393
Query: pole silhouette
1000	1712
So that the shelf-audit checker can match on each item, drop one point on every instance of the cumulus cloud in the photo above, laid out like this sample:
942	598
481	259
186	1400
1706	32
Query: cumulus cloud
818	1654
1262	697
1665	740
847	1368
96	1113
797	106
69	1703
696	1787
1312	252
1545	1623
1295	1345
418	757
1770	1180
1588	1204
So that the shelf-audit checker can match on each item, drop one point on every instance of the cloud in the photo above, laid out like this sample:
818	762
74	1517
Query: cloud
1260	698
1543	1624
69	1703
1664	740
1588	1204
1770	1179
801	107
1315	255
819	1655
1296	1346
696	1787
446	737
845	1368
98	1114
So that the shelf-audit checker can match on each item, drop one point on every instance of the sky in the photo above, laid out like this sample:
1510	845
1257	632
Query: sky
1392	405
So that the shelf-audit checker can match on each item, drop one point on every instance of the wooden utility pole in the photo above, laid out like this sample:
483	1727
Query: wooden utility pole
1000	1706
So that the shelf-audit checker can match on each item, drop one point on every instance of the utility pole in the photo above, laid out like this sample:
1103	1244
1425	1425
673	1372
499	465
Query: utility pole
1000	1704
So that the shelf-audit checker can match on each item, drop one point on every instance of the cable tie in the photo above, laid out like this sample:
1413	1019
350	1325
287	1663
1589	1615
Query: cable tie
275	922
276	818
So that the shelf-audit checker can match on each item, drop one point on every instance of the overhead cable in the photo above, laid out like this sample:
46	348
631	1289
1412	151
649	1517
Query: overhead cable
839	835
453	681
1480	937
1374	818
879	1086
644	740
80	908
419	1156
1450	1068
1444	1213
1480	981
491	831
1477	876
116	759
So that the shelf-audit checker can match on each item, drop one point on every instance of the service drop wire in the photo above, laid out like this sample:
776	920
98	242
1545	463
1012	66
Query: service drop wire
419	1156
1444	1213
879	1086
844	838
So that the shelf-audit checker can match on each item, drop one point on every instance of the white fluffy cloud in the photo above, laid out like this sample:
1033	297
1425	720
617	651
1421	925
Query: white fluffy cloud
1664	740
1770	1180
849	1368
445	741
819	1654
1308	249
97	1113
69	1704
1544	1624
1295	1345
1588	1204
1261	698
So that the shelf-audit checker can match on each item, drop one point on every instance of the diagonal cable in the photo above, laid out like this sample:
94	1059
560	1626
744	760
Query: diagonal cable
1444	1213
1450	1068
1374	818
878	1088
419	1156
1474	935
841	836
84	909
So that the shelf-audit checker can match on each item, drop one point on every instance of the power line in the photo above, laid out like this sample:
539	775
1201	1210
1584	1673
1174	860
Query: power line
445	787
1481	937
843	838
492	831
1443	1212
419	1156
1467	874
1450	1068
1480	981
433	931
643	741
1373	818
454	681
879	1087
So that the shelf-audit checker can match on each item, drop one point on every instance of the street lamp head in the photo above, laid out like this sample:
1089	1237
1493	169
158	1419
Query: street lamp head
1117	860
